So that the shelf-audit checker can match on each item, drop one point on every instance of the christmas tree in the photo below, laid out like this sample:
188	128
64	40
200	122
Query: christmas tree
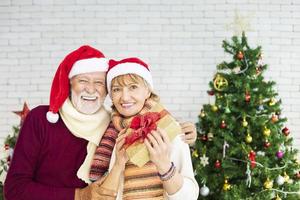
6	152
244	150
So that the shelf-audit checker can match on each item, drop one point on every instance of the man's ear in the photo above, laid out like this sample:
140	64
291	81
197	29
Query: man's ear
71	80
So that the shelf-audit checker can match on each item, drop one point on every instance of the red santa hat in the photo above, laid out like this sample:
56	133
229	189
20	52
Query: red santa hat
128	66
83	60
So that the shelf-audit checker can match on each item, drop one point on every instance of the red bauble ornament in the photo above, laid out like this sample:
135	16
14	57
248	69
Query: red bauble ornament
286	131
247	97
204	138
252	156
240	55
297	175
211	92
217	164
267	144
8	160
252	153
223	124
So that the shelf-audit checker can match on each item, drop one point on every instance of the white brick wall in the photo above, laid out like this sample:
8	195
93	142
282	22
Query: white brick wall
180	39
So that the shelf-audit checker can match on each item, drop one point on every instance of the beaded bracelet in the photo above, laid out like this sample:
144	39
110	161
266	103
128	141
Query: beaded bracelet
169	174
163	175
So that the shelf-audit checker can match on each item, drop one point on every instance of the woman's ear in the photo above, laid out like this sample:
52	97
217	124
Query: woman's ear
110	96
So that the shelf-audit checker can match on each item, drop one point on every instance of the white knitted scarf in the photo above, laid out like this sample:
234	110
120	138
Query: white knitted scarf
88	127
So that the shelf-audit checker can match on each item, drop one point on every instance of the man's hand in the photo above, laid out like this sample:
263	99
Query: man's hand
190	133
94	191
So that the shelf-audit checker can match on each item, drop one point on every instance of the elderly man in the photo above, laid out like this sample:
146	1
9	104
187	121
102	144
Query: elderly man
55	148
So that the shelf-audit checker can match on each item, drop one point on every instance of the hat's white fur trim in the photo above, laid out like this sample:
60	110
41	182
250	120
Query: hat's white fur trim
128	68
89	65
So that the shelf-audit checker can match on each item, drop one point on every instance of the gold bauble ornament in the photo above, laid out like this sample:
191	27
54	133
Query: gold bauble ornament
210	136
248	138
277	197
268	184
286	177
219	96
226	185
202	114
272	102
214	108
267	132
220	83
244	123
195	153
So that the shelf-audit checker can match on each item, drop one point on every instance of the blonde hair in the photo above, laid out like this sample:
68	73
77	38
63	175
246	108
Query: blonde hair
126	79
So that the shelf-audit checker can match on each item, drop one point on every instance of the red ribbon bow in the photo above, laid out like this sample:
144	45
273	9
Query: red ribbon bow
142	125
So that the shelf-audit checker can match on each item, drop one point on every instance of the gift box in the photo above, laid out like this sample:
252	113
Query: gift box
156	117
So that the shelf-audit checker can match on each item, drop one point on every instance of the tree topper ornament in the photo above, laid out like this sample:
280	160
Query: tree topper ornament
240	24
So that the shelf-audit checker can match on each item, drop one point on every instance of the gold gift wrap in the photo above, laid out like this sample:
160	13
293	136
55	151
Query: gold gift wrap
137	152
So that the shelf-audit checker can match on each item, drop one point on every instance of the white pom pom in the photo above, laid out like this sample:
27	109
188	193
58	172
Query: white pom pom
52	117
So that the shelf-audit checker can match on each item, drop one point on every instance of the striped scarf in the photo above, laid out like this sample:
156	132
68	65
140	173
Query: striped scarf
101	159
93	129
139	183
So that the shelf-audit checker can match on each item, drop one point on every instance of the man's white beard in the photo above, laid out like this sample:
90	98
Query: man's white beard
86	106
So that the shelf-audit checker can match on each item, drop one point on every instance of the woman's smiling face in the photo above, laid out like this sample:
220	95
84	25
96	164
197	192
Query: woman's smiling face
129	94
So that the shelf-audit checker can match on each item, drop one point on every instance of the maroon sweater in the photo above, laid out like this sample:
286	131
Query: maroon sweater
45	161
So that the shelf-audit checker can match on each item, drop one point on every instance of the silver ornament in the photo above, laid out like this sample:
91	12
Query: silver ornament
204	191
280	180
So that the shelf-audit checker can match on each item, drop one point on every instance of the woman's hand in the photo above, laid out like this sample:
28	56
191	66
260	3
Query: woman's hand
121	155
159	147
